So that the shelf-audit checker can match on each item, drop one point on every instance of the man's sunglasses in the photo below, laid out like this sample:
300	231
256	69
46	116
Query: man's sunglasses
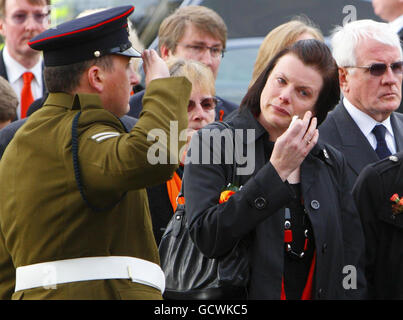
378	69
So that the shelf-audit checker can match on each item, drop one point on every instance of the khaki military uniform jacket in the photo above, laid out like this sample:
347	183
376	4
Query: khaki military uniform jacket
42	214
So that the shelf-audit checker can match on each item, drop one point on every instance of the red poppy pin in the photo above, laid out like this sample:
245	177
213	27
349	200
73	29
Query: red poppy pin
227	192
397	206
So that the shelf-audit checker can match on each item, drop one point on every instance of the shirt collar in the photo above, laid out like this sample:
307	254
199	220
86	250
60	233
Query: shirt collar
364	121
77	101
15	70
397	24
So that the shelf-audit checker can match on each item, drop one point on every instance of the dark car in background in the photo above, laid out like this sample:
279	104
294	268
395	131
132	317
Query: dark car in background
248	22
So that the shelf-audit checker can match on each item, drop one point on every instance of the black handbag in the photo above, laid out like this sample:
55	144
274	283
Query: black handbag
189	275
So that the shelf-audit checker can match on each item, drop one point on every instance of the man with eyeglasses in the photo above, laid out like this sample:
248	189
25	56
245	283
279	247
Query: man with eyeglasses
364	126
21	20
196	33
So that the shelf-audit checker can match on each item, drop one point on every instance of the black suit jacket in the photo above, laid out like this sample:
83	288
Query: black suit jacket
383	230
341	131
223	109
3	71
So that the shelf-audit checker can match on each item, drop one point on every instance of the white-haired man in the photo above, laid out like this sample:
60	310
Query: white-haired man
366	128
364	125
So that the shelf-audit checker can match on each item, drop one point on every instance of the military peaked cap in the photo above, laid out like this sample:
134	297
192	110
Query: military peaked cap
86	38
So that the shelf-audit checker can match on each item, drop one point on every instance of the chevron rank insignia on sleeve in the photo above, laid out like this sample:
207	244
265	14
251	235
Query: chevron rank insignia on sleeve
99	137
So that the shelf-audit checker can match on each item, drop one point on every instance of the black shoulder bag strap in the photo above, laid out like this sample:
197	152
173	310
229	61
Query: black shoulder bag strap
227	126
181	194
234	167
77	172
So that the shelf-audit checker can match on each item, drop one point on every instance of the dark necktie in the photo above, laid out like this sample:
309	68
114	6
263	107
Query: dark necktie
381	147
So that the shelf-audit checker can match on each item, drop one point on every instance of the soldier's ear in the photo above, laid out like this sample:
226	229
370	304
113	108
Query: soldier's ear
96	78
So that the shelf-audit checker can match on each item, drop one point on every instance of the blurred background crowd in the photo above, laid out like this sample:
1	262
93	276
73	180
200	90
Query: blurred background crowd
248	22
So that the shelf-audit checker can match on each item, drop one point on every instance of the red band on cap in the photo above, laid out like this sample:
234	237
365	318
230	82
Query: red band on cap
84	29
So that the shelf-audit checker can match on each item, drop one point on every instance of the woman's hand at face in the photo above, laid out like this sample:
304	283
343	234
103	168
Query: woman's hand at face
291	148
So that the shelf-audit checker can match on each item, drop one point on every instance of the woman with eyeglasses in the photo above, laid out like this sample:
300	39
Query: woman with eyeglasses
293	209
201	111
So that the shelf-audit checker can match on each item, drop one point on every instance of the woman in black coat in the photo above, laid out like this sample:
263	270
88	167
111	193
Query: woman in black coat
293	204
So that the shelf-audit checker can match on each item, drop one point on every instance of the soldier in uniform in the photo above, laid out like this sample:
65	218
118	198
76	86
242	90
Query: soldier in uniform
74	216
378	193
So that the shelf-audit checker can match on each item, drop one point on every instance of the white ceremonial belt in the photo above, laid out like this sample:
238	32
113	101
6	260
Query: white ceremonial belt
48	274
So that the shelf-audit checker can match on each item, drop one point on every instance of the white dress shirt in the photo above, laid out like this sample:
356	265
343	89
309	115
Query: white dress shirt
397	24
14	73
366	124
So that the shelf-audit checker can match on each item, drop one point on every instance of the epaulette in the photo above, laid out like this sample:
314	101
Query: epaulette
321	151
388	163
